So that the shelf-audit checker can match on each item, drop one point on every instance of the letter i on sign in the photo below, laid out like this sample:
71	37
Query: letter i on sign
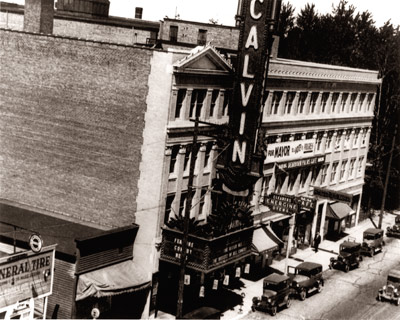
215	284
226	280
187	279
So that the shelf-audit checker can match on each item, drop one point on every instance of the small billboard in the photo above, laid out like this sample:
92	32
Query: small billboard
26	275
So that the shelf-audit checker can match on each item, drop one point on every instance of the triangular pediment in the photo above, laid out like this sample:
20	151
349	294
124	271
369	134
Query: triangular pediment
203	59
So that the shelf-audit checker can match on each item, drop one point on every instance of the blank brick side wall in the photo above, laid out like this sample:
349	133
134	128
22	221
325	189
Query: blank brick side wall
71	125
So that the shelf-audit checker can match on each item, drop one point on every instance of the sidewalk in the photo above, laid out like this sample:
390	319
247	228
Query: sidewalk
327	249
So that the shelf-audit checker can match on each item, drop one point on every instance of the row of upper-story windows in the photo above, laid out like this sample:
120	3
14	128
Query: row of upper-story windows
201	35
203	103
304	102
353	166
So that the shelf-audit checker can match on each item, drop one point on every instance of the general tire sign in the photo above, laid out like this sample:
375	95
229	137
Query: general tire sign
26	275
257	20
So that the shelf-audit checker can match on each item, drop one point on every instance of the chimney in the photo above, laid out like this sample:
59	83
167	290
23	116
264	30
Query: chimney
138	13
38	16
275	47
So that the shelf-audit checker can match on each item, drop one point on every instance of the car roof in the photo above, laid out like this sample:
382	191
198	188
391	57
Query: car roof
372	230
394	273
350	244
308	265
276	278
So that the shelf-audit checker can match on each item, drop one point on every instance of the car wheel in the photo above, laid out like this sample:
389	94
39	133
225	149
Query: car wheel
303	295
288	303
346	268
379	297
253	309
319	289
371	252
330	266
398	302
273	311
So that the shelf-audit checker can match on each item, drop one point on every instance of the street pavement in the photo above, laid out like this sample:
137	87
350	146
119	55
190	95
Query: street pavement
346	295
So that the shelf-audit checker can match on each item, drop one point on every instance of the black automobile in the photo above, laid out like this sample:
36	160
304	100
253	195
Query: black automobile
349	256
276	293
306	277
394	231
372	241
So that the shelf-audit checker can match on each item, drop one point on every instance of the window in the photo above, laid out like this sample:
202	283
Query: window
309	135
298	136
196	103
174	155
343	102
280	179
202	37
265	186
364	138
214	98
179	102
361	102
173	33
351	168
324	172
324	100
328	146
313	101
343	170
335	98
168	207
333	172
227	99
360	166
303	178
182	203
347	140
353	99
302	101
292	180
202	199
355	138
289	101
338	139
369	102
319	140
187	158
285	137
207	155
276	99
314	174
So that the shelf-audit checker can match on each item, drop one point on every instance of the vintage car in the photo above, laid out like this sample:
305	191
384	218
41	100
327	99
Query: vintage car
276	291
306	277
391	291
372	241
394	231
349	255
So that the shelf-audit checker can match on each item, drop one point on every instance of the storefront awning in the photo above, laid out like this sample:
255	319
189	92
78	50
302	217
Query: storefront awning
338	211
264	239
116	279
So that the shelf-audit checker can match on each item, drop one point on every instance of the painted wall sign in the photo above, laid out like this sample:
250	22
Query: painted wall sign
333	195
301	163
290	150
282	203
306	202
257	20
26	275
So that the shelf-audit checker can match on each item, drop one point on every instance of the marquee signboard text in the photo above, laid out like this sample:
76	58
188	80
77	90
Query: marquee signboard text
256	17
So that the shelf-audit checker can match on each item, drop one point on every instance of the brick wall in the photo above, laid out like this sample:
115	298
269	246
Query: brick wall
220	36
84	30
71	125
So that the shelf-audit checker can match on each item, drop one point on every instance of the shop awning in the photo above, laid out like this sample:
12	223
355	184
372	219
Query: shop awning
112	280
338	211
264	239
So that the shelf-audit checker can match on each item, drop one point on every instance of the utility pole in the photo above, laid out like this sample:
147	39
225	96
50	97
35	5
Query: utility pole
387	179
181	284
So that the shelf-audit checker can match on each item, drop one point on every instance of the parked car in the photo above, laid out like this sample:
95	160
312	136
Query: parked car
349	256
372	241
391	290
276	291
394	231
307	276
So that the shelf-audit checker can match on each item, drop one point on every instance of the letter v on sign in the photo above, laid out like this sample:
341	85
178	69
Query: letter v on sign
245	95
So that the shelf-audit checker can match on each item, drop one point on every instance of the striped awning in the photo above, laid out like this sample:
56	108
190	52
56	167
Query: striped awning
264	239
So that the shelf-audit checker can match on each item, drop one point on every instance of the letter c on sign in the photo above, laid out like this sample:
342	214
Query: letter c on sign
252	13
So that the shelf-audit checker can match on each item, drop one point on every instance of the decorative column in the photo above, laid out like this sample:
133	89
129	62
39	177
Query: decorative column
338	103
295	104
370	107
180	162
220	103
281	108
307	103
291	137
323	142
199	169
318	103
356	102
285	185
172	105
268	105
297	183
205	112
308	181
328	107
348	100
186	105
257	194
